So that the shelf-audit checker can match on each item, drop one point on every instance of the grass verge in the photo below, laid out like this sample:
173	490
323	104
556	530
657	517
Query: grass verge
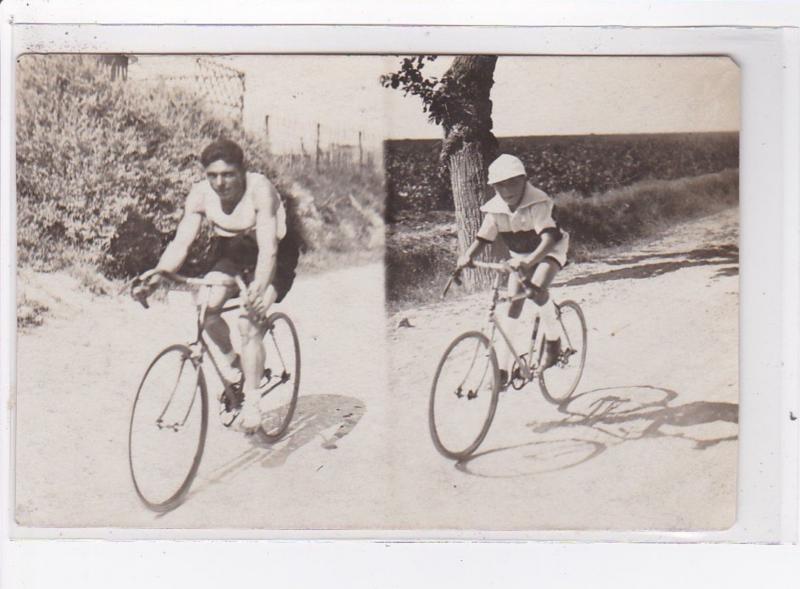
421	250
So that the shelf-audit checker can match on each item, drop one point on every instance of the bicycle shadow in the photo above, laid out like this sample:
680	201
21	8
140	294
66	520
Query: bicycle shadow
324	417
315	415
622	415
722	255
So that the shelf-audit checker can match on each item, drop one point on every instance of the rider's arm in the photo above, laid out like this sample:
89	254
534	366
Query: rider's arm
475	248
175	253
486	234
266	203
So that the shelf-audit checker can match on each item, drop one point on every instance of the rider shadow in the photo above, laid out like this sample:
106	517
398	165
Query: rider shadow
624	413
325	417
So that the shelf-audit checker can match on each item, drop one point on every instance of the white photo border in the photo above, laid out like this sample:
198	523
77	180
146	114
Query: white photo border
769	252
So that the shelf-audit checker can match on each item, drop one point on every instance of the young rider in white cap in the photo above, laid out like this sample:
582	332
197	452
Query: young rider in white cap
521	215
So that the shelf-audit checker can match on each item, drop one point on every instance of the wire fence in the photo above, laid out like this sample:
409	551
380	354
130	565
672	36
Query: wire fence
220	86
294	142
301	143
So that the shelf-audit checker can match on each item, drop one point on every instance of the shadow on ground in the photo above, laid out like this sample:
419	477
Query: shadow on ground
325	419
722	255
621	415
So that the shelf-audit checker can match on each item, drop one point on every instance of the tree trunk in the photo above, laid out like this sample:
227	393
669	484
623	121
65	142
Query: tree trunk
468	179
468	146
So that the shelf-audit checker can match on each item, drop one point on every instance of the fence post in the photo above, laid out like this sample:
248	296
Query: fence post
266	132
360	152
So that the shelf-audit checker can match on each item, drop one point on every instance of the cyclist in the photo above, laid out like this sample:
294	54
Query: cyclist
248	219
522	215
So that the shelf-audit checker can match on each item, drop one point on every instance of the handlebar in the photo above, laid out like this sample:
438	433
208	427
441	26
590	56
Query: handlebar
140	293
500	267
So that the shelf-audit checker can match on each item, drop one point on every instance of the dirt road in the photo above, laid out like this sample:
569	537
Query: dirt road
78	373
649	441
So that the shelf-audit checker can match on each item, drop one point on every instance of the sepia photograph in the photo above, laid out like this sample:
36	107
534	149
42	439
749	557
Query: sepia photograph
562	286
377	292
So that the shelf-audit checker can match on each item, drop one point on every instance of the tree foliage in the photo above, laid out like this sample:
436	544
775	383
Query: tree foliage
458	101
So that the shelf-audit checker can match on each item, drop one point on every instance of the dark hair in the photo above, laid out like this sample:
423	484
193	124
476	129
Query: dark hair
223	149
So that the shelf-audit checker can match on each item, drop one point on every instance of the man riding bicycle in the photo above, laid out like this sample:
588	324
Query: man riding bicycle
521	215
248	219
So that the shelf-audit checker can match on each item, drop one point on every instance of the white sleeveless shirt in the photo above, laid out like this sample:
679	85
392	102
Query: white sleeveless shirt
242	219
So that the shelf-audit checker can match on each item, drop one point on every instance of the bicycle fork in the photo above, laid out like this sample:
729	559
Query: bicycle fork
195	359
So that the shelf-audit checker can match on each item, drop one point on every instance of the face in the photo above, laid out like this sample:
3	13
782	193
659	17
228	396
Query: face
511	190
226	179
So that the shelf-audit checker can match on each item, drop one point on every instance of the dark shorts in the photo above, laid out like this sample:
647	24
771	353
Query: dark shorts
515	308
238	255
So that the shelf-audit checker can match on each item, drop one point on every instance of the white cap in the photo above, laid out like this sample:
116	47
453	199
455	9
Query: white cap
504	167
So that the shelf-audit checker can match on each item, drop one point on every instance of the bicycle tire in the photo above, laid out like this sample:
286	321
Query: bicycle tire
274	320
172	499
444	447
549	391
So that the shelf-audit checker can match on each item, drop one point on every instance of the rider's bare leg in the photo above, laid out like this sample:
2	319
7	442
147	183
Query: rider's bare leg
216	327
253	346
253	357
542	278
510	325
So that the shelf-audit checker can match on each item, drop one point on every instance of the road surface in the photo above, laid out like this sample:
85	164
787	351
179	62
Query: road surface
650	441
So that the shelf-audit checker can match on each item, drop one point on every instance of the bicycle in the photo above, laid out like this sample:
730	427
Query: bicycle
466	385
169	417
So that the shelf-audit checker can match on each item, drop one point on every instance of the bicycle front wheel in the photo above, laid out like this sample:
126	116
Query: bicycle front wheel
168	428
558	382
464	395
281	382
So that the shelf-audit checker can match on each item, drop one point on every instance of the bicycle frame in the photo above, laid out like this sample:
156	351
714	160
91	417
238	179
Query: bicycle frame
527	369
200	347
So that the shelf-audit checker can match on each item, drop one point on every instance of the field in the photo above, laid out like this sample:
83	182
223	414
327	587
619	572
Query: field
609	191
587	165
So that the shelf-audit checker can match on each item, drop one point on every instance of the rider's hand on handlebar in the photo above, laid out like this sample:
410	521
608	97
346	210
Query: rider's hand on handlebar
144	286
517	264
151	278
464	261
254	299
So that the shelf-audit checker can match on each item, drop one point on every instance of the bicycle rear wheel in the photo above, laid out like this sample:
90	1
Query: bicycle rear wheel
464	395
558	382
168	428
281	381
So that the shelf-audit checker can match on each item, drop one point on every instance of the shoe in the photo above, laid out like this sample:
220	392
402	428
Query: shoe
232	397
552	352
503	379
250	416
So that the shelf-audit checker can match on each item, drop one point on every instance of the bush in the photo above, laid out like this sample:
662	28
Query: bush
104	167
624	214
